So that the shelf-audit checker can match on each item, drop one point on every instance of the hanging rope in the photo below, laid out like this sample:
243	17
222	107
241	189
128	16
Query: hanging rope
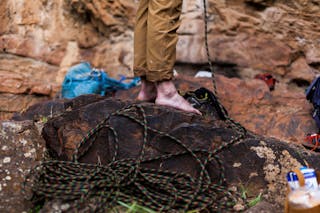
233	124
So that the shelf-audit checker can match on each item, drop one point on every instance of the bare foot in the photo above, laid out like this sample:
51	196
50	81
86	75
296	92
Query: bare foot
167	95
148	91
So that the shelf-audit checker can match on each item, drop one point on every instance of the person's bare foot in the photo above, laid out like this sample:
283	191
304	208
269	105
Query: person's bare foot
147	92
167	95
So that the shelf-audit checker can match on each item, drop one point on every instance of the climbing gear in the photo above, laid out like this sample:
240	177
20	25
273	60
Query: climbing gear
82	79
233	124
312	141
205	98
313	96
268	79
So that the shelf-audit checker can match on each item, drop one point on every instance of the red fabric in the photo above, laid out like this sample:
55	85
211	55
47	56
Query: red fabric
268	78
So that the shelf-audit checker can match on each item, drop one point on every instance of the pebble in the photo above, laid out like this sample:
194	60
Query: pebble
7	160
236	165
239	207
55	207
27	155
24	142
65	207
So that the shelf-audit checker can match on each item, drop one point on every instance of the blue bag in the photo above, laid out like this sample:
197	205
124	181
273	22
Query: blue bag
82	79
313	95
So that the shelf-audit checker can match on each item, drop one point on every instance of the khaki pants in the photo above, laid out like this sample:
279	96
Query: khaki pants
155	38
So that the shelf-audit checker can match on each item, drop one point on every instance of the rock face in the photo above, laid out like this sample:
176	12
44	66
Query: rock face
40	40
264	36
20	148
283	113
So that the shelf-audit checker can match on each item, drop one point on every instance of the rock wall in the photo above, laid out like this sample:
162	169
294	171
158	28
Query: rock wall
39	40
281	37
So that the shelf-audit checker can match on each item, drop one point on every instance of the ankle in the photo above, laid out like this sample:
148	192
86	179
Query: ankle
166	89
147	91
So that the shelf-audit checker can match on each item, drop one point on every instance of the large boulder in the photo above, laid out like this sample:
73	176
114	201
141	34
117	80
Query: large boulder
256	163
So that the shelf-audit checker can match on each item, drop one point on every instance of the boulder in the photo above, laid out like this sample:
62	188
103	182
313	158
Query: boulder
257	163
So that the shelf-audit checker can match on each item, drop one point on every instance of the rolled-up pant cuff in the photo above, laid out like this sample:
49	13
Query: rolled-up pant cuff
162	75
139	71
153	76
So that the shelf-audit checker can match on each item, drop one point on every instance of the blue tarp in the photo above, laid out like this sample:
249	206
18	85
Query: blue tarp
82	79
